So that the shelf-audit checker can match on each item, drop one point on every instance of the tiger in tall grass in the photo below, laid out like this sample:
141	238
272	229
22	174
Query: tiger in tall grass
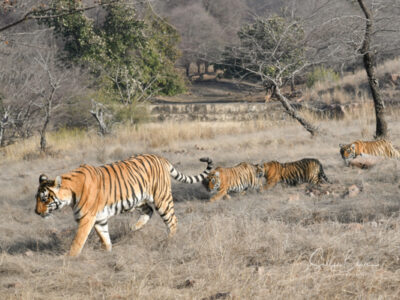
239	178
292	173
98	193
382	148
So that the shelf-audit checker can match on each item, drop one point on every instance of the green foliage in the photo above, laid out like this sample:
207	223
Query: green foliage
321	74
269	49
129	58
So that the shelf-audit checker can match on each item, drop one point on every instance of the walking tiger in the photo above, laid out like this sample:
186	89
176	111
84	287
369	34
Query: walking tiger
98	193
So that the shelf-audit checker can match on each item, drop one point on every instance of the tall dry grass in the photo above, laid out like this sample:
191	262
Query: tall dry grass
283	243
154	135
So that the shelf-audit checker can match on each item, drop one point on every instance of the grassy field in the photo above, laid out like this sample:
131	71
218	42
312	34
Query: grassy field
283	243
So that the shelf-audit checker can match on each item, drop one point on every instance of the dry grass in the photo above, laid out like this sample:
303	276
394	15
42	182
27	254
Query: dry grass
154	135
350	89
279	244
359	77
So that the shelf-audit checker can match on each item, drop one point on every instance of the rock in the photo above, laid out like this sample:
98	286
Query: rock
353	191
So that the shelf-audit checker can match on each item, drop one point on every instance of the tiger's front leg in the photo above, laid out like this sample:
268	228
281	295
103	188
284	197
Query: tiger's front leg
84	228
102	232
219	195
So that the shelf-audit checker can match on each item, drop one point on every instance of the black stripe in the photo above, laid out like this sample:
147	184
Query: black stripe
101	222
119	183
109	179
123	181
129	180
139	183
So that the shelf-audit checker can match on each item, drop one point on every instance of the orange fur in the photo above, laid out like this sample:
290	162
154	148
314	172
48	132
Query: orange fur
237	179
304	170
382	148
97	193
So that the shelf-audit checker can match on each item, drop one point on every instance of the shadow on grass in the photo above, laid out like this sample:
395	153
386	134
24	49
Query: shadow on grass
186	192
53	246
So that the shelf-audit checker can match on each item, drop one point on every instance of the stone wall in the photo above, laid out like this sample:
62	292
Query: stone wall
216	112
243	111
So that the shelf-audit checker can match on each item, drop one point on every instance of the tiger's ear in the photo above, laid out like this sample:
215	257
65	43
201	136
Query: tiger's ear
57	182
42	178
353	146
341	145
217	173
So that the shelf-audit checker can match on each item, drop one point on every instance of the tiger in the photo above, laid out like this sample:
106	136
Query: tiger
383	148
234	179
98	193
305	170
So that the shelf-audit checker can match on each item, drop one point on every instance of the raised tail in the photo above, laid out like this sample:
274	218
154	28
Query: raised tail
192	179
322	174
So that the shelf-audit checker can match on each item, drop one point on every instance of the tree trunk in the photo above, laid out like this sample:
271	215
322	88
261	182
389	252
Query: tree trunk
43	142
293	113
198	63
206	65
187	67
3	124
369	60
98	113
292	85
2	128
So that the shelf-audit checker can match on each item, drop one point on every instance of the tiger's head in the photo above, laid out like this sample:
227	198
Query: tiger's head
51	196
348	152
213	181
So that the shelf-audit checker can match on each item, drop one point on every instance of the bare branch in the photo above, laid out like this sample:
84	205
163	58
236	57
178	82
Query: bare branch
42	14
97	112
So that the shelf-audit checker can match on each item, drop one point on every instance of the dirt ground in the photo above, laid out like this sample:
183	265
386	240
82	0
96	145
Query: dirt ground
286	243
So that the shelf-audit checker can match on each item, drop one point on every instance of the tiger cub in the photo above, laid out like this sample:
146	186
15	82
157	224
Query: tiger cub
234	179
383	148
304	170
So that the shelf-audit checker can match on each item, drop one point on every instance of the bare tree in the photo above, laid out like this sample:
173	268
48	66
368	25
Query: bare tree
369	65
33	83
201	34
17	81
271	51
47	92
97	112
130	88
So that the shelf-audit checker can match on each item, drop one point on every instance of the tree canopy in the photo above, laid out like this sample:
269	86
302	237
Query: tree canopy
130	58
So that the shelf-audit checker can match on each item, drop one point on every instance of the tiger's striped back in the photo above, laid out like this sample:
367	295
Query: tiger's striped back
304	170
234	179
383	148
98	193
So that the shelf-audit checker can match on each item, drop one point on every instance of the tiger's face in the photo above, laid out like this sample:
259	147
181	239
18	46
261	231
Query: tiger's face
348	152
212	182
51	196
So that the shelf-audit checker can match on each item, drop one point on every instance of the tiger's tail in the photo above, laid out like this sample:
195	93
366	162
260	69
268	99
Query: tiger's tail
322	175
192	179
